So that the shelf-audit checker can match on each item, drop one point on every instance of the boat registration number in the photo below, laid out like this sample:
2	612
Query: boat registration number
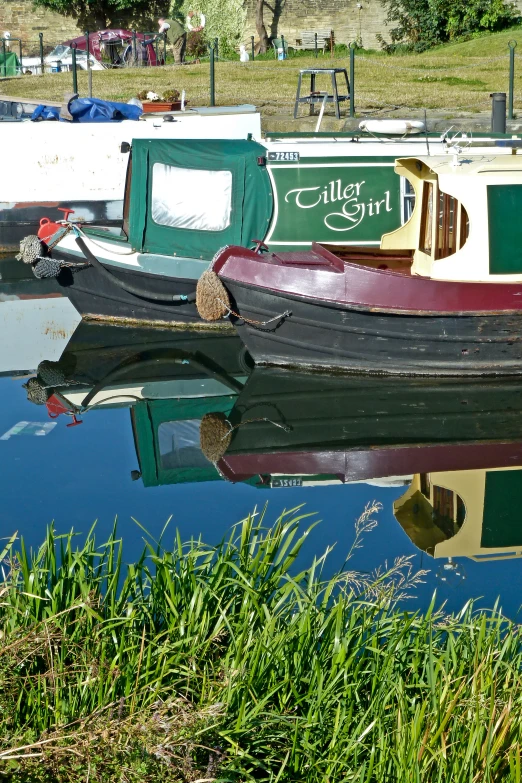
284	156
284	482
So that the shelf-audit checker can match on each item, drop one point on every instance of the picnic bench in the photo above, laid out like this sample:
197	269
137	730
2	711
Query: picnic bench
325	39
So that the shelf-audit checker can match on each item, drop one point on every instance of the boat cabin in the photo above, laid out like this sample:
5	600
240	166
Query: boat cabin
466	222
464	513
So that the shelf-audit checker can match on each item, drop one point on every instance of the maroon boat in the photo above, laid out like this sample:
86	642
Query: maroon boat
443	294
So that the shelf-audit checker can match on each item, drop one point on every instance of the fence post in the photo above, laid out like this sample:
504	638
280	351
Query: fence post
42	64
4	56
253	47
352	79
212	77
164	48
74	73
315	43
89	71
283	45
134	53
20	57
512	46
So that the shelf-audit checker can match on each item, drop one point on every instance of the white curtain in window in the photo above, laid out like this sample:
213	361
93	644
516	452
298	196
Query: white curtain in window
191	198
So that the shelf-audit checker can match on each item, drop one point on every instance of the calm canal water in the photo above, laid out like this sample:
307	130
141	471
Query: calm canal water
444	459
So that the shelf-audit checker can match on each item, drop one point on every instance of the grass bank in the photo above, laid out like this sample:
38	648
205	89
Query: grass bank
222	663
456	77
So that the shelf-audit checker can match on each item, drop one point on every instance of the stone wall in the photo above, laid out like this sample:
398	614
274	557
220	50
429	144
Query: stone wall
22	20
348	21
351	20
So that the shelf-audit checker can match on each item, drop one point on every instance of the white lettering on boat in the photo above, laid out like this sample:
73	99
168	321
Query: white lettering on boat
353	209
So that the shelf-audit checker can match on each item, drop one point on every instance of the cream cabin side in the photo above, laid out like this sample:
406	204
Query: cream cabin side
464	513
466	222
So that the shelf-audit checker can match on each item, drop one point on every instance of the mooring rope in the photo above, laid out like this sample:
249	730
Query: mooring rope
251	320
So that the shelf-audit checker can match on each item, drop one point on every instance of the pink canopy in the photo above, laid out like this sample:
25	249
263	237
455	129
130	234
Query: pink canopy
117	43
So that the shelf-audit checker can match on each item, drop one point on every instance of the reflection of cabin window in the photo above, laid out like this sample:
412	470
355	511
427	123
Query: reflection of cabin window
408	199
448	510
425	484
179	445
191	198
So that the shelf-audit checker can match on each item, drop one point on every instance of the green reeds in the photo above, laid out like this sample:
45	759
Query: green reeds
228	663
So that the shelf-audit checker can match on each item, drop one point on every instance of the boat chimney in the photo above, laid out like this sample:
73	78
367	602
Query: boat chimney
498	112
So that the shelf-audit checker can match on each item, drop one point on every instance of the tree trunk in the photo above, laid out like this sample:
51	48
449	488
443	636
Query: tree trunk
262	44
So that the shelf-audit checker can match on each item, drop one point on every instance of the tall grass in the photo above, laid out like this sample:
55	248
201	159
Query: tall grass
228	663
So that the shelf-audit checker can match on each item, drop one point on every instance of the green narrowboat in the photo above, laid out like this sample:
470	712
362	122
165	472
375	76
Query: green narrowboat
185	200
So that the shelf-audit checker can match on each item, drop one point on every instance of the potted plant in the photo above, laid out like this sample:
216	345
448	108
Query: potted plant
152	102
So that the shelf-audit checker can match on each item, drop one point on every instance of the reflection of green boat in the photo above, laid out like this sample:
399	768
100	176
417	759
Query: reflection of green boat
470	513
169	380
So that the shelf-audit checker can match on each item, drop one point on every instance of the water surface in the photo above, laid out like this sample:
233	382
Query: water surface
330	444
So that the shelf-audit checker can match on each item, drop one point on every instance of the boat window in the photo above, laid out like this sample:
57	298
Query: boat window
464	226
191	198
427	218
408	199
452	223
179	445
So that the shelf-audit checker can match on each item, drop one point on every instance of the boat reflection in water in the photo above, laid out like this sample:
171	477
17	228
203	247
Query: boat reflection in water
168	379
359	428
464	513
199	412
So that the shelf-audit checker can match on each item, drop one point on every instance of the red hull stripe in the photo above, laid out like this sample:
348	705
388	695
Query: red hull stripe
378	462
365	288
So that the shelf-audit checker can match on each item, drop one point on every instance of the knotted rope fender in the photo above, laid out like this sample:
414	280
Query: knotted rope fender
215	434
35	252
37	393
31	249
212	299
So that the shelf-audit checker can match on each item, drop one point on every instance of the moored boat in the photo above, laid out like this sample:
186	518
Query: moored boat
48	166
187	199
442	295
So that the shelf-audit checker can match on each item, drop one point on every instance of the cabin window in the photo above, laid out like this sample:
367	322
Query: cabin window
408	199
451	223
191	198
427	218
179	445
505	229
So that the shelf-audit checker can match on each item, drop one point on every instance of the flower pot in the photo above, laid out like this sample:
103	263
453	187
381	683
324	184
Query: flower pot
154	106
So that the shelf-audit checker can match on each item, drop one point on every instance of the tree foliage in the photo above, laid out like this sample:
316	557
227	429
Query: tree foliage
420	24
225	20
100	14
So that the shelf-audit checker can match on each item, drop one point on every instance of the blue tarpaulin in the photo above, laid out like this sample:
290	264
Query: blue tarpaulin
90	110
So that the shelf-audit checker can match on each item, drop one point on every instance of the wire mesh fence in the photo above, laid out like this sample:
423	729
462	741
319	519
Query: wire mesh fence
378	82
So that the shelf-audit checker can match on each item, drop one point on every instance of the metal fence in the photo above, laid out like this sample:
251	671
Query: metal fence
43	56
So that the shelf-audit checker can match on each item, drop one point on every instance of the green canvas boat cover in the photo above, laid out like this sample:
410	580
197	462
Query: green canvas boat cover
9	65
166	436
189	198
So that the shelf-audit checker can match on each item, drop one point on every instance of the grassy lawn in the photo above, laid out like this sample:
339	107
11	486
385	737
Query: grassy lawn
456	76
